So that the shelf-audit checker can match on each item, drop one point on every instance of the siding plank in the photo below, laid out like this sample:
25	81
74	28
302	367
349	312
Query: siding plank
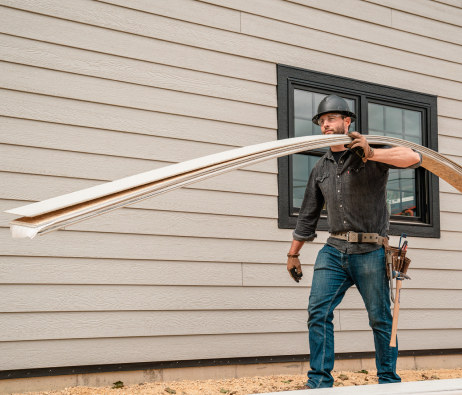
95	64
49	326
450	126
342	46
29	187
311	17
55	298
48	270
186	10
111	143
426	9
356	320
70	33
101	116
36	354
353	8
154	26
427	27
121	94
59	163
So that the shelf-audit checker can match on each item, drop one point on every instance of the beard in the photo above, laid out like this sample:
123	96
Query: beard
337	130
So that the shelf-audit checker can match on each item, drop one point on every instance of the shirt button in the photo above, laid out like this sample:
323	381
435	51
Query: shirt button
339	190
341	205
344	222
338	176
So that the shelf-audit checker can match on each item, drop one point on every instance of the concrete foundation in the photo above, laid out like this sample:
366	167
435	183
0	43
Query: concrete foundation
53	383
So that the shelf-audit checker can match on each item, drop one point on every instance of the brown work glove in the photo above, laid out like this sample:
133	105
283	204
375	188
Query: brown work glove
360	146
295	268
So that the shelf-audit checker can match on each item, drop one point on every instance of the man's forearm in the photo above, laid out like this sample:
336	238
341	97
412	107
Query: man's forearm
296	246
396	156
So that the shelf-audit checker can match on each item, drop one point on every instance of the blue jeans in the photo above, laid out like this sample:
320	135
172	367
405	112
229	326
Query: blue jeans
334	273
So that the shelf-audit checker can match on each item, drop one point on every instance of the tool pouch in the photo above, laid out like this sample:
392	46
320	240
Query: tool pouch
392	261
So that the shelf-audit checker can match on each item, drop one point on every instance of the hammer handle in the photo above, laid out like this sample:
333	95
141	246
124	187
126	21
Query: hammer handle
394	327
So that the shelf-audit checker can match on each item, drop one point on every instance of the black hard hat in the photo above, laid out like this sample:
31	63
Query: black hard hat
335	104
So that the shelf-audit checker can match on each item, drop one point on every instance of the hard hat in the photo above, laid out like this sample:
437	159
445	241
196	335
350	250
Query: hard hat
333	103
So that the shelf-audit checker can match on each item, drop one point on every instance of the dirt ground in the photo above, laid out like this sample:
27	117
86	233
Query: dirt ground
250	385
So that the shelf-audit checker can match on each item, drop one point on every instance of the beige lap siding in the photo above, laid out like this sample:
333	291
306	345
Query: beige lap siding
95	91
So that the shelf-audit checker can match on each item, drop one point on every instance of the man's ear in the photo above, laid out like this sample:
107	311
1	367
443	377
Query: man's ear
347	121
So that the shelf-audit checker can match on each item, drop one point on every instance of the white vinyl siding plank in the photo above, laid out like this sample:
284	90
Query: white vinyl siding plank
122	94
450	126
36	354
29	187
67	112
57	57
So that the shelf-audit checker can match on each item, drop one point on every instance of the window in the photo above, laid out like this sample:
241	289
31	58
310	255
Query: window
412	195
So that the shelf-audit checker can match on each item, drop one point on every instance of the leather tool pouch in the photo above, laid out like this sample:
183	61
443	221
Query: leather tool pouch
391	259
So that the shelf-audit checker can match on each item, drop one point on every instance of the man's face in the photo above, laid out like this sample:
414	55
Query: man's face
332	123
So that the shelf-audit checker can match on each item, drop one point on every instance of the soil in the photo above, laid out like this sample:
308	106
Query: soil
251	385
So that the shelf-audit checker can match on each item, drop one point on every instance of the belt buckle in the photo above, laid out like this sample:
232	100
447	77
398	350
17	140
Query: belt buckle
354	238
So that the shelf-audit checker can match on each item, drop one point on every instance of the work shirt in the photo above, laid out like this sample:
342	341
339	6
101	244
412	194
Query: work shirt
355	194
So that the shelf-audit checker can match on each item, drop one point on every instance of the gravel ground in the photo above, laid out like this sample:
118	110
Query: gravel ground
251	385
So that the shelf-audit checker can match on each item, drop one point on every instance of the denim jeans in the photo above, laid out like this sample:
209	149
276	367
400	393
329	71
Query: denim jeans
334	273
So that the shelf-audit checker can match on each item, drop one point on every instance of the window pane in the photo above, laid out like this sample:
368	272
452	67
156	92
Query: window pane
305	107
301	169
406	125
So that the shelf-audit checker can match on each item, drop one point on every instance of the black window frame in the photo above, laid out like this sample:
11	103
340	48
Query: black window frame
427	183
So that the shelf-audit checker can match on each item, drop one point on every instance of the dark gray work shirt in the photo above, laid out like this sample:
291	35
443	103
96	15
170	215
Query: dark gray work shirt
355	196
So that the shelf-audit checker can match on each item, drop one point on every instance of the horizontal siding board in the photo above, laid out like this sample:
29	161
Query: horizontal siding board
81	271
450	108
67	32
206	37
29	187
103	168
454	3
451	222
72	352
451	202
56	57
427	27
55	298
171	223
450	145
65	113
112	143
81	325
450	126
121	94
186	10
278	31
356	320
426	9
49	326
311	17
357	9
48	270
271	275
19	23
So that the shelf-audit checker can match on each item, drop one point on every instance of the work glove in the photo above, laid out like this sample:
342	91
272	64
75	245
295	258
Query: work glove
295	268
360	146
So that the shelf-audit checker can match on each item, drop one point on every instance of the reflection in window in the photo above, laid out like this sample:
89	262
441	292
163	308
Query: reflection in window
305	108
406	125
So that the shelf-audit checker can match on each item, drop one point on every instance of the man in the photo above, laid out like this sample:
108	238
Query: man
353	188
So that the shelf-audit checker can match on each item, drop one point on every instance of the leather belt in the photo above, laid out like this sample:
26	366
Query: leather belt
353	237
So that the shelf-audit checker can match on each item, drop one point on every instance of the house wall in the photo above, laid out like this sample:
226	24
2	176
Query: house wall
93	91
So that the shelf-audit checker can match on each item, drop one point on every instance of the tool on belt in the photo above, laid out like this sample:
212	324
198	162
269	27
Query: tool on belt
396	264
